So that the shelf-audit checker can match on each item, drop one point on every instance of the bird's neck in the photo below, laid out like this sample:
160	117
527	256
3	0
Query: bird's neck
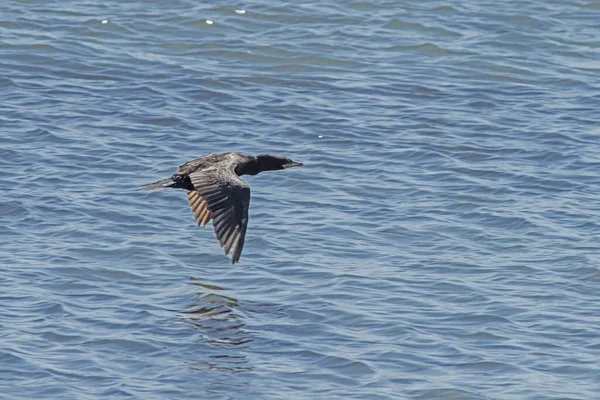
256	165
250	167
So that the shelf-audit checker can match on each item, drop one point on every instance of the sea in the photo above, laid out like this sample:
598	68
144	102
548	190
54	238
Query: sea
441	242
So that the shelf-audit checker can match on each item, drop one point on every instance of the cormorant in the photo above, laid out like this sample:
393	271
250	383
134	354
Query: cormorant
215	191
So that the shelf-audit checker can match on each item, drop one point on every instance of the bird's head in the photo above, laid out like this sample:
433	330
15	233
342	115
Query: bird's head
268	162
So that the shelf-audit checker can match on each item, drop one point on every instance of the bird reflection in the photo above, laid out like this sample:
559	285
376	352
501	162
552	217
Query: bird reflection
213	315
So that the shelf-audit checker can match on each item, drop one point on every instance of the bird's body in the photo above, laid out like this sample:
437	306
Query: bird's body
215	191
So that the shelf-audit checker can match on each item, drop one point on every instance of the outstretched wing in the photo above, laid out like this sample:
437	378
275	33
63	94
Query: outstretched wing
223	197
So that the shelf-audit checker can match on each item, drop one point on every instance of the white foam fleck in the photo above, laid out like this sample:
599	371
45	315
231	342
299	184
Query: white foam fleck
208	21
104	21
240	11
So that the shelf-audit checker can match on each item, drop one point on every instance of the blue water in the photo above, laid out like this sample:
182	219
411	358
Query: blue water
441	241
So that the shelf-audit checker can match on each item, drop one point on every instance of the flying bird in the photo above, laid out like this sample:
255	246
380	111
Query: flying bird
215	191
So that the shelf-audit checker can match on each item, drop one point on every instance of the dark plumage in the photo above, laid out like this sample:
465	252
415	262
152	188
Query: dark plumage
215	191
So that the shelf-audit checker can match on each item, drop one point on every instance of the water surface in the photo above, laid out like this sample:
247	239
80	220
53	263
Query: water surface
441	241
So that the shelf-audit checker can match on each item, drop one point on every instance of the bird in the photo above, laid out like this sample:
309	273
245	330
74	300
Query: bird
215	191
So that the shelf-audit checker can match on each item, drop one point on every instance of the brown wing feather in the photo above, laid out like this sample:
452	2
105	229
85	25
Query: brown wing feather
198	206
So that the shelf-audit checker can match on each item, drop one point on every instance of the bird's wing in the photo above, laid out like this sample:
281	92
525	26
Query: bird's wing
225	198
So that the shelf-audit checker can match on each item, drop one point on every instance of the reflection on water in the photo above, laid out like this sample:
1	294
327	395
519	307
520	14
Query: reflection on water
213	315
223	363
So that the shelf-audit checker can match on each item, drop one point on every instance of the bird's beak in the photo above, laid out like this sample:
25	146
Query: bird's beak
293	164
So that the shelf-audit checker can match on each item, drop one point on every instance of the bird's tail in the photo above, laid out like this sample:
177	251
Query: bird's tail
158	184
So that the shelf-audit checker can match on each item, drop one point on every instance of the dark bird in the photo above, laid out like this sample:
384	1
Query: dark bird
215	191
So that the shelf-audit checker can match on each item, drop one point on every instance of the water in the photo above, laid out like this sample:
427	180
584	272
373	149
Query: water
441	241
